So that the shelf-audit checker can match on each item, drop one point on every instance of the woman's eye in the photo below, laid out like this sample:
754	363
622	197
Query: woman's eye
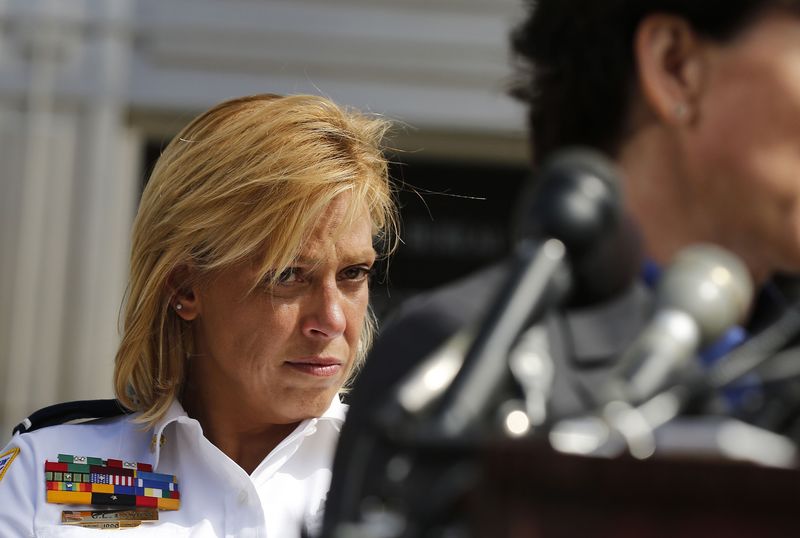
356	273
288	276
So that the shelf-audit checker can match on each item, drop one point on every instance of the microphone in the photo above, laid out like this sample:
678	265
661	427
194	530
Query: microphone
580	232
576	199
704	292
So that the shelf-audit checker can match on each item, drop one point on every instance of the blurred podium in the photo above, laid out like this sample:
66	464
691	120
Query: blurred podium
526	489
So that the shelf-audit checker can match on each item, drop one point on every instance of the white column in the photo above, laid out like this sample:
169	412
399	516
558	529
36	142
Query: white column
68	190
108	180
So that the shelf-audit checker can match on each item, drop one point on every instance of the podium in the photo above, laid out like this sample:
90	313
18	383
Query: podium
526	489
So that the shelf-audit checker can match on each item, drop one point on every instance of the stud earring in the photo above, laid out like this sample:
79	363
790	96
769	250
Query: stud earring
680	111
178	306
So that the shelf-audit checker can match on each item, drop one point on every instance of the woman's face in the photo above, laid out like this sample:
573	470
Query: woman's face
282	352
744	154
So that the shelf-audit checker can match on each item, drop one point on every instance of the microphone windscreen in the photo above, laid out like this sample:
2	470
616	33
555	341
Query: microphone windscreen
577	200
710	284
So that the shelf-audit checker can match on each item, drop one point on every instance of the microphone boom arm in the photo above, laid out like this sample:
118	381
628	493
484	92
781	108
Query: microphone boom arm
531	289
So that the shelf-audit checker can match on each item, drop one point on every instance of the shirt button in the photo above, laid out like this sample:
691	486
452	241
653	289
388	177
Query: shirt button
243	496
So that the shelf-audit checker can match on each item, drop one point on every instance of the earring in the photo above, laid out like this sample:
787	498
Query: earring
680	111
178	306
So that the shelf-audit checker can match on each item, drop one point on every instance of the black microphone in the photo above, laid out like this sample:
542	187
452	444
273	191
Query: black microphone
703	292
584	250
576	199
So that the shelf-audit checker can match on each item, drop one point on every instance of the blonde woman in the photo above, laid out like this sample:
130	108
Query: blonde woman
247	312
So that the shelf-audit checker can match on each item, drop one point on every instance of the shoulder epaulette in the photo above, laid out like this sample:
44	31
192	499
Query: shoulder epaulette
71	411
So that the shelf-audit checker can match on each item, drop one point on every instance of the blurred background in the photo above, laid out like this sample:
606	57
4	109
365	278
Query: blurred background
91	90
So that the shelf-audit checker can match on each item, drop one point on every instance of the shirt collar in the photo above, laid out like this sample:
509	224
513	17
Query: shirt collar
175	412
335	414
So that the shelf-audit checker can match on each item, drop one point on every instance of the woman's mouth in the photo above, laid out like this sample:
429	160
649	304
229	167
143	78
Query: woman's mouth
316	366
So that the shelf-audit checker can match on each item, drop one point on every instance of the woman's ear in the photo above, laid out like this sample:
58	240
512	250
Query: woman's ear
671	66
181	283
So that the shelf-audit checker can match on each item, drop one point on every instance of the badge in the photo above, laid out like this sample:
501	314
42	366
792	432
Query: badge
6	458
108	519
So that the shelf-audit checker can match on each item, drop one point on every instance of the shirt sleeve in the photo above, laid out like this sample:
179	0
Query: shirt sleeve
18	478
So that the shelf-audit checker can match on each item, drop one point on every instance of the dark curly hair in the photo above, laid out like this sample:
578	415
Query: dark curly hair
576	67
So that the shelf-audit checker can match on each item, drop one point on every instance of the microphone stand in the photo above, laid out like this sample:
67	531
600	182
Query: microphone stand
538	281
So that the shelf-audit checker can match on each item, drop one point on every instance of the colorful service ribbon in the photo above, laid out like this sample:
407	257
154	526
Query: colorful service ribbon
95	481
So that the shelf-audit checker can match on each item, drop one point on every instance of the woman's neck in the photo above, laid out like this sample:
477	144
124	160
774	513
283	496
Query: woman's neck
669	207
230	424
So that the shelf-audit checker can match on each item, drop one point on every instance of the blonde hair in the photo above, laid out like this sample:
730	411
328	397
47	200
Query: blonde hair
248	178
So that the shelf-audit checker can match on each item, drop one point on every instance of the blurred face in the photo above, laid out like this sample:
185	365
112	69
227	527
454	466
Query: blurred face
744	155
282	351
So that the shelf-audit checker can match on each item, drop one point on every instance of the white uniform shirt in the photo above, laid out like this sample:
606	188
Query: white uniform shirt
285	493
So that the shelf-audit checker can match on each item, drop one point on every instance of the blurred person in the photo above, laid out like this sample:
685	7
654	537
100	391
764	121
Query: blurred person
246	314
698	105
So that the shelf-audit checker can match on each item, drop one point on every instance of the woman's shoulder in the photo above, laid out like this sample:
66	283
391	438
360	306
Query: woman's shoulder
56	453
70	412
92	428
84	436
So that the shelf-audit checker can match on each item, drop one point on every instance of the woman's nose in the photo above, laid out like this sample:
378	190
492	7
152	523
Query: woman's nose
325	317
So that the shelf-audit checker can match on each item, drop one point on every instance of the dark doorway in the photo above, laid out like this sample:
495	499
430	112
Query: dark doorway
456	218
